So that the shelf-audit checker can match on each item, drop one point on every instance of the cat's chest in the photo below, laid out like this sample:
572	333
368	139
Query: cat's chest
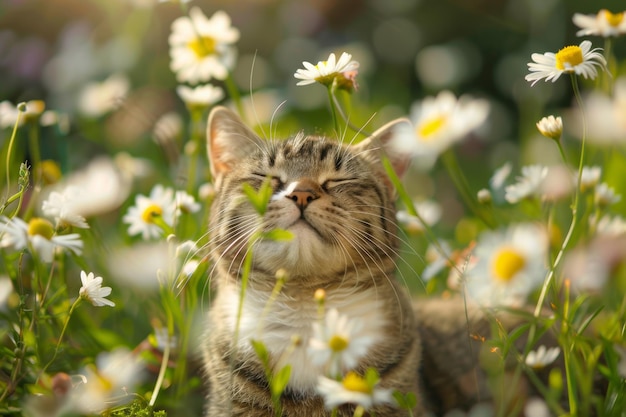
285	326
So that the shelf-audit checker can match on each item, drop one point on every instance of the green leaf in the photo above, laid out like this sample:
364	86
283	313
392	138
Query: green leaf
278	235
261	351
259	199
280	380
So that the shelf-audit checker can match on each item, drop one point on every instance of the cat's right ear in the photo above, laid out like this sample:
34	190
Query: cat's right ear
229	140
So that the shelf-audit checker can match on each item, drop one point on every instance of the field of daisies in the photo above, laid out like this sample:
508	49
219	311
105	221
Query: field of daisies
513	199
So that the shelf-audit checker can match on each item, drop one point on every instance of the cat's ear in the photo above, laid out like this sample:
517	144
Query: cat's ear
229	141
382	143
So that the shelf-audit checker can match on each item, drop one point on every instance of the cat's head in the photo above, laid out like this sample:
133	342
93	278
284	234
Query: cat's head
335	199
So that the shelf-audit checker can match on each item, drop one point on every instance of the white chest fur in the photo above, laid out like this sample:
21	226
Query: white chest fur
285	326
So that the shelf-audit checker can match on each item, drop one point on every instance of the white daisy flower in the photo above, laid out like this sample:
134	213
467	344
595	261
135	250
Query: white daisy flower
60	207
551	127
581	60
202	48
437	258
185	203
438	123
589	177
603	24
542	357
146	215
326	72
509	264
107	383
338	342
353	389
200	96
428	210
605	195
99	98
93	291
611	226
9	114
536	407
38	235
528	184
500	175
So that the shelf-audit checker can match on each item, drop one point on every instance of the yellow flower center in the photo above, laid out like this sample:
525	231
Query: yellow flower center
50	171
41	227
353	382
507	263
613	19
431	126
203	46
338	343
569	57
151	212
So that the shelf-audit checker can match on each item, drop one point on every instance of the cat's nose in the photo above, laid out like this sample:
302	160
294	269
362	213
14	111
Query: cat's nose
302	198
303	194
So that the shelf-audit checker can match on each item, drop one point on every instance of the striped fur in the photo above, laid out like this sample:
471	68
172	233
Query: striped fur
345	241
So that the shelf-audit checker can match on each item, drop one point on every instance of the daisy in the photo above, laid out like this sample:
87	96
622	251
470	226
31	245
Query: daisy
353	389
99	98
339	342
605	195
201	96
327	72
93	291
9	114
604	23
150	214
509	264
551	127
38	235
59	207
108	383
589	177
581	60
542	357
429	211
438	123
185	203
500	175
437	258
611	226
528	184
202	48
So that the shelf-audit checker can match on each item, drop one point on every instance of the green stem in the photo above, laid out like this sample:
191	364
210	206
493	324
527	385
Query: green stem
20	110
163	368
575	205
561	151
410	207
454	169
333	108
67	321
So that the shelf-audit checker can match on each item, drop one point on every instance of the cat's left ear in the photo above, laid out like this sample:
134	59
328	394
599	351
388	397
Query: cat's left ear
229	141
381	143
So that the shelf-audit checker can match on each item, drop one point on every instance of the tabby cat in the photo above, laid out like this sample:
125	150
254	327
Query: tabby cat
338	203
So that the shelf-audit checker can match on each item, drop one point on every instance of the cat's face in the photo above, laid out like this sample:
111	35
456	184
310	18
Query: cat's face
333	198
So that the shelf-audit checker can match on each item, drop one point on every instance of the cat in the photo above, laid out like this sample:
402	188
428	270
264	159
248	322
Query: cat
338	204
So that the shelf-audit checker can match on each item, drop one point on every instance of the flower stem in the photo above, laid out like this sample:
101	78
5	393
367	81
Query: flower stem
20	110
333	107
67	321
162	369
454	170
